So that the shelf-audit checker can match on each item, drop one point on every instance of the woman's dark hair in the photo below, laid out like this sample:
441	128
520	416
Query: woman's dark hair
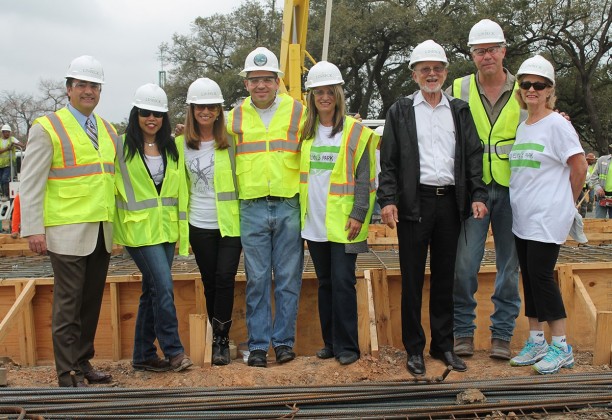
134	140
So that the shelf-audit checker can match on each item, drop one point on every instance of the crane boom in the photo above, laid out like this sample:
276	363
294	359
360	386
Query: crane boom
293	45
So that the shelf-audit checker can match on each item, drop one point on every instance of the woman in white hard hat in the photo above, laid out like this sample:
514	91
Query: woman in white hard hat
150	218
548	169
214	224
337	169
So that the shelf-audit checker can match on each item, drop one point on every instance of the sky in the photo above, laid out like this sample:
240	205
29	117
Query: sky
39	39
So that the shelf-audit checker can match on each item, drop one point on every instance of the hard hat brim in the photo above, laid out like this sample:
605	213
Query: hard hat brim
246	71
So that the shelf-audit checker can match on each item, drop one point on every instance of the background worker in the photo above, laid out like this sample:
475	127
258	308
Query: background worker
68	203
430	182
336	201
548	171
497	115
602	185
584	203
266	128
8	144
151	217
214	218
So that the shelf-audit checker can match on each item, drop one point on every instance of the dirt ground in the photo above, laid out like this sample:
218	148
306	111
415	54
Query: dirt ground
303	371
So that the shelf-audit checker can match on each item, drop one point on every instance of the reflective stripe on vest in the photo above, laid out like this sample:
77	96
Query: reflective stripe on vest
497	140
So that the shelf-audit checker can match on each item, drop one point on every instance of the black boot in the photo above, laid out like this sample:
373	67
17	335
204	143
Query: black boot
221	353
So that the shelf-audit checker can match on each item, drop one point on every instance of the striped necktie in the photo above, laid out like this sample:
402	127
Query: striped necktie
90	128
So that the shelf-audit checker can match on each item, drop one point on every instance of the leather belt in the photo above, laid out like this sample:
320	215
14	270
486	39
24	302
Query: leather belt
270	198
435	190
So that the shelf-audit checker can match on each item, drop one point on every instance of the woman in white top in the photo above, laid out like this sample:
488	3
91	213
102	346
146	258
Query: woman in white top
214	228
337	171
548	169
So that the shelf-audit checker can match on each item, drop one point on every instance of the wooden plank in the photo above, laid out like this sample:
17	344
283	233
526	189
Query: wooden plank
381	307
565	278
24	298
197	339
372	315
208	345
200	302
585	303
363	316
27	332
602	354
115	318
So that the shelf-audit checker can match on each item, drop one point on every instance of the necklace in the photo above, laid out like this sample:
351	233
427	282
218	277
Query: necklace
150	144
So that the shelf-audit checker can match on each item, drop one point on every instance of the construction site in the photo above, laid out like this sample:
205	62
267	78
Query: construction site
375	386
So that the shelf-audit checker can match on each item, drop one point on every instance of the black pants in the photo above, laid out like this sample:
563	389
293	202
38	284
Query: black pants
78	287
542	295
337	295
438	230
217	258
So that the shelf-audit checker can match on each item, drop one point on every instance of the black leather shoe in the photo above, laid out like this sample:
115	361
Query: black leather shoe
450	359
415	364
348	357
325	353
258	358
98	377
284	354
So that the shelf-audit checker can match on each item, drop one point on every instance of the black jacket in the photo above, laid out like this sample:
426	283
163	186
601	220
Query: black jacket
399	160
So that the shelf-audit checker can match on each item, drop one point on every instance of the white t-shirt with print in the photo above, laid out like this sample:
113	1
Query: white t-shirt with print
201	169
156	168
323	155
540	190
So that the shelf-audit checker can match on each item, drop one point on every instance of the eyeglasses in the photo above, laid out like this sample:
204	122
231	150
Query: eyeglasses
84	85
321	92
266	80
146	113
202	107
535	85
426	70
480	52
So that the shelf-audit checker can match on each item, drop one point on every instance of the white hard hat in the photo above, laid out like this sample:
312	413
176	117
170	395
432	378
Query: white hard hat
204	91
323	73
427	51
486	32
86	68
262	59
538	66
379	130
6	127
151	97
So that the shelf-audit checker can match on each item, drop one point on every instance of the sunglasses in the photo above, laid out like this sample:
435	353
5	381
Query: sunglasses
210	107
146	113
536	85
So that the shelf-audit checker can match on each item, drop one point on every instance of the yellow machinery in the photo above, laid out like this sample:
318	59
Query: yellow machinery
293	46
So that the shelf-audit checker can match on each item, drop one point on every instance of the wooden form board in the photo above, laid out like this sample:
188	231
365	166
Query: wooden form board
587	291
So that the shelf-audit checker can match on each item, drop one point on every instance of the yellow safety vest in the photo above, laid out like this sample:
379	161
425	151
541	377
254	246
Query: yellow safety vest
497	139
226	190
356	138
5	157
267	160
590	170
80	185
145	217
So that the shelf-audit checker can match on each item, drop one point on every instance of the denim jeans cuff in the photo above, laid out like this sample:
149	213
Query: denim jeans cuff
463	335
501	337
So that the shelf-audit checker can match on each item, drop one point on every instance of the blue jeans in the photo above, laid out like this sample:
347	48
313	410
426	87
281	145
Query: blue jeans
602	212
5	179
156	312
470	250
271	241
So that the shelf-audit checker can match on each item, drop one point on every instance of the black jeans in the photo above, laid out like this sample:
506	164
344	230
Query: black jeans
437	231
337	295
542	295
217	258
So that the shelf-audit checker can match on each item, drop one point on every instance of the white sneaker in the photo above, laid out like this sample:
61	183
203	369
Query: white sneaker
530	354
555	359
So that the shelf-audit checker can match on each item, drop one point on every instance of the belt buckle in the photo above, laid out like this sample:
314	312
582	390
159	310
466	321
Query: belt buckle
271	198
440	190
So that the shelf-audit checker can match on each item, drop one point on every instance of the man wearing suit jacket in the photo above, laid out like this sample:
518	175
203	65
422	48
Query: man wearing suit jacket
67	198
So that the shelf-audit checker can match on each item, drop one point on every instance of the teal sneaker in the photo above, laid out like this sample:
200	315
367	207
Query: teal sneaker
555	359
530	354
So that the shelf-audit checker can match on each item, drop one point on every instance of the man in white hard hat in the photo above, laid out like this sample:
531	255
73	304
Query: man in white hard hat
430	181
266	128
602	185
68	204
497	115
8	144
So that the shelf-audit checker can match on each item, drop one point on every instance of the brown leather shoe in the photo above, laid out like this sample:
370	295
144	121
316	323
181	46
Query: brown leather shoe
153	365
98	377
464	346
500	349
81	384
180	362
